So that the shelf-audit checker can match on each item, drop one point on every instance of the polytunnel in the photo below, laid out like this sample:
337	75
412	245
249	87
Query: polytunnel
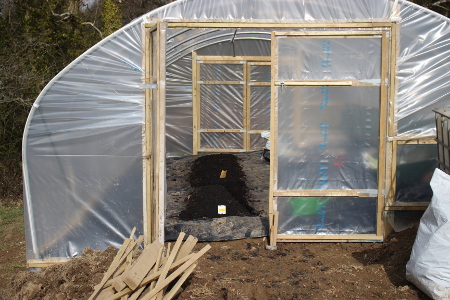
346	89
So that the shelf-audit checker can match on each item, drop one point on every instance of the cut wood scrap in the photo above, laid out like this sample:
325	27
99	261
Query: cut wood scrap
180	282
187	247
142	266
121	251
168	263
158	272
119	254
106	293
149	275
138	292
171	258
183	264
136	271
108	275
158	265
176	273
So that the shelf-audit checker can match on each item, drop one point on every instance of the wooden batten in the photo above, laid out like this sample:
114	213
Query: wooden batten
314	83
195	104
325	193
383	131
149	201
42	263
333	237
233	59
416	142
286	23
220	150
221	82
273	143
331	33
246	107
407	206
160	151
221	130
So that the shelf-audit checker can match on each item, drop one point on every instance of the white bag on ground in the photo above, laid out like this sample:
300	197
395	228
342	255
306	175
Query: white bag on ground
429	264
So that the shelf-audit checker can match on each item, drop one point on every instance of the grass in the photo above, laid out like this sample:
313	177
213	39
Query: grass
12	241
11	219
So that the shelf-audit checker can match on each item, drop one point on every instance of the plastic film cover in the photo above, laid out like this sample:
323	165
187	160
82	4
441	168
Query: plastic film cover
221	106
260	73
221	140
327	58
328	137
260	107
257	142
83	153
87	122
423	69
221	72
326	215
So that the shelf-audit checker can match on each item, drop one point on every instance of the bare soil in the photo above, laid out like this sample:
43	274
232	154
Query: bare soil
237	269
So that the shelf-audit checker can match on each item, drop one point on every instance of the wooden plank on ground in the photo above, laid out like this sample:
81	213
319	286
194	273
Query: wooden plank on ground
179	283
187	247
143	265
105	293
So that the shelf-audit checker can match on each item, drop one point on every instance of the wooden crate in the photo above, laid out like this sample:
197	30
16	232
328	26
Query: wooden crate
443	137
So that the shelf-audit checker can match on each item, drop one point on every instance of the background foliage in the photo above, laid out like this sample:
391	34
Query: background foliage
38	38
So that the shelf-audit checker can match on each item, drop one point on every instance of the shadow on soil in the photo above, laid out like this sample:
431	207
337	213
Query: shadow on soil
391	254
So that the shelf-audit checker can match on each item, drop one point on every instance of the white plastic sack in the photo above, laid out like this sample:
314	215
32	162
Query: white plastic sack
429	264
266	135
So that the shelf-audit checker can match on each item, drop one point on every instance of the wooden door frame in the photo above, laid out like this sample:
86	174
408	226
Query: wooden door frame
246	61
156	231
385	96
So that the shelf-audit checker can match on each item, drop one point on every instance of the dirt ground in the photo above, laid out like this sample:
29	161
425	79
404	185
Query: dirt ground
238	269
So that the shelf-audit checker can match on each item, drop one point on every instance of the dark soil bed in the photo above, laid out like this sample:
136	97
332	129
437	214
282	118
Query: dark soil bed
195	191
211	190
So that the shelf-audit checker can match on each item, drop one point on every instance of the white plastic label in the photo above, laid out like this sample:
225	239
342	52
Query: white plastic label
222	209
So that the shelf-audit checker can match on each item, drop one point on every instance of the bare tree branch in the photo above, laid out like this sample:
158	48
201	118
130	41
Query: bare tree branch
95	27
438	3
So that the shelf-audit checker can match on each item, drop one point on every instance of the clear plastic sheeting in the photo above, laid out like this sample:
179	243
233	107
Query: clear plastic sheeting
332	147
328	58
83	141
222	140
221	106
423	69
83	153
415	166
257	142
221	72
259	73
259	107
326	215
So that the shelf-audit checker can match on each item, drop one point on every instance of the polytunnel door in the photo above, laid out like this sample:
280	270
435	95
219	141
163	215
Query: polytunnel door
328	90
